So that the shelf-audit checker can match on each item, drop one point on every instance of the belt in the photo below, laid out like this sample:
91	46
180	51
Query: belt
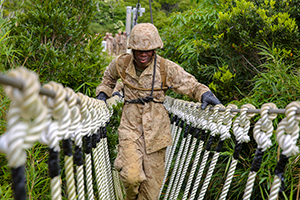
143	100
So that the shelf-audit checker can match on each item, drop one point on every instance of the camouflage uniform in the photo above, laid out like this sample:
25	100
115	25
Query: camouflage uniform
124	42
118	43
109	41
144	131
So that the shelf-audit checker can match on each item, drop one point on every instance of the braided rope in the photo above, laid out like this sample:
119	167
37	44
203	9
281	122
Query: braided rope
186	165
77	137
26	118
174	132
224	122
193	170
108	169
173	127
179	170
117	185
204	124
86	122
188	118
96	111
58	128
198	118
80	182
241	127
216	128
75	118
287	142
170	158
262	133
99	172
175	167
191	150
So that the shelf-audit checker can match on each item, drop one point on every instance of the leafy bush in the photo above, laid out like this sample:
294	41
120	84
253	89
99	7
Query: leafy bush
54	40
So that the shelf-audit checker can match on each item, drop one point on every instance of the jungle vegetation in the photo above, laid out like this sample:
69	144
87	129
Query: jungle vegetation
246	51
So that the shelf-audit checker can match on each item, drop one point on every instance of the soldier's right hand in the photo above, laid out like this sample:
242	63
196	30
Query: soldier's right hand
102	96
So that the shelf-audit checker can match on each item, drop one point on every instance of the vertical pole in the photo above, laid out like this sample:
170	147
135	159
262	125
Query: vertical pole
128	19
151	11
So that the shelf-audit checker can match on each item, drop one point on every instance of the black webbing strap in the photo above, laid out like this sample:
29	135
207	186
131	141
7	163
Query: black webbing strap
67	147
257	160
143	100
53	163
78	157
18	182
279	170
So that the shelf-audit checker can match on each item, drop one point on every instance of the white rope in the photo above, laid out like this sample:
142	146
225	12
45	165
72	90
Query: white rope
26	118
108	169
193	170
173	127
188	118
86	131
174	132
80	182
75	118
179	170
241	127
175	168
204	123
287	142
96	110
170	158
186	165
191	149
58	127
223	123
262	133
197	120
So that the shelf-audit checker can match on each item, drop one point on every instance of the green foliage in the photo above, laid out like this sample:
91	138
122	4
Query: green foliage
64	51
110	17
223	83
112	131
279	81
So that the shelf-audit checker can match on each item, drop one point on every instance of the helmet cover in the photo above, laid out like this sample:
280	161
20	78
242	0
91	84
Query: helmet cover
145	37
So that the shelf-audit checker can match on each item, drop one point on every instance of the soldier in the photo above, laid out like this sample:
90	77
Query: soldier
118	43
144	131
124	42
109	41
116	46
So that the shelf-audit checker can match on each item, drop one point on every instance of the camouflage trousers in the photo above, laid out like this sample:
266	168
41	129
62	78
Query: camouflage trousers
142	174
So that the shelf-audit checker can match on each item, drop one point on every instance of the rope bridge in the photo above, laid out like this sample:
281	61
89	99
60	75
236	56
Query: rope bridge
60	118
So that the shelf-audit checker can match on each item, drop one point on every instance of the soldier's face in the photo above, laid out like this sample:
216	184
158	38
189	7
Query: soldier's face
143	57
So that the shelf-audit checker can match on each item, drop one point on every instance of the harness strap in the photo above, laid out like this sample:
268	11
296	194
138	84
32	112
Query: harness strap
126	63
163	73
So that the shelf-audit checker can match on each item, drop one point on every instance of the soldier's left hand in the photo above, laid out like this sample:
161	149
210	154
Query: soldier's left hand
209	98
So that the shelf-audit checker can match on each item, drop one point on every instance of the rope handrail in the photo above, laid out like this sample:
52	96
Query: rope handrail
52	114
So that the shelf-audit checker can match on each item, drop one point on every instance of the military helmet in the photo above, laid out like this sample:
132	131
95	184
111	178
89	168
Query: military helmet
145	37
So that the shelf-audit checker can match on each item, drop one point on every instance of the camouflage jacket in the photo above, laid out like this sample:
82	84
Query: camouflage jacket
152	118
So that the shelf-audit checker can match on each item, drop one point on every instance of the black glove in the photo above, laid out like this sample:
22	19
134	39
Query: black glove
102	96
117	93
209	98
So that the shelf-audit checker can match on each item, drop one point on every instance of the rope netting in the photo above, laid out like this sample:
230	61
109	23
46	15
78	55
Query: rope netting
60	118
71	119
